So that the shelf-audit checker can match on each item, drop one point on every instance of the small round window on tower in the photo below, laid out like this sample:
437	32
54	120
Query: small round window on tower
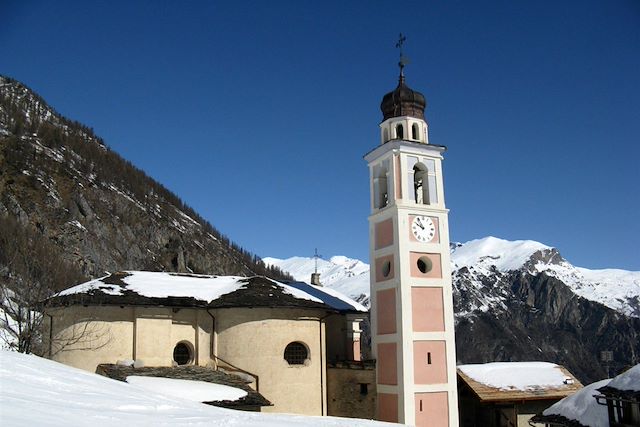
182	353
296	353
424	264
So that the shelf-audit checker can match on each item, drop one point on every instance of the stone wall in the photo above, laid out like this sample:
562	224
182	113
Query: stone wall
351	389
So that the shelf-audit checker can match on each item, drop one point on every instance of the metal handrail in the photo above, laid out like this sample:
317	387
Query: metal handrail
239	369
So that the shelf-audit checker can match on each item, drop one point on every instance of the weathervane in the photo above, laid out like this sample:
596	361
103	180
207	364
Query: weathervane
315	257
403	59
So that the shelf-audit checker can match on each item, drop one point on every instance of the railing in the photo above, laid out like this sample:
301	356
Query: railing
237	369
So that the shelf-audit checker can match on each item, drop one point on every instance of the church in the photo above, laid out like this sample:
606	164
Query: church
278	337
299	345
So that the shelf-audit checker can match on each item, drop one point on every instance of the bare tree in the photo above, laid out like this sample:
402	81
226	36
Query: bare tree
31	270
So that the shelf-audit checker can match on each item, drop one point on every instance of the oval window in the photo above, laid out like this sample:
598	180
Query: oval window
182	353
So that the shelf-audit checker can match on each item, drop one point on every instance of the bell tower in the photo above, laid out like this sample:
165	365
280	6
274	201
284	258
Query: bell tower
411	292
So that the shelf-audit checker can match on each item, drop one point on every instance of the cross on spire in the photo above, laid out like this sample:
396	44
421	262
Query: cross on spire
403	59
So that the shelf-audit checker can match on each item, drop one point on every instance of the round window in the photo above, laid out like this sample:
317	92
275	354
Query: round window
424	264
182	354
296	353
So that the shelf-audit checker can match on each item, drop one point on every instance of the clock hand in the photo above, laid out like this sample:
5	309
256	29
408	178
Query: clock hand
419	222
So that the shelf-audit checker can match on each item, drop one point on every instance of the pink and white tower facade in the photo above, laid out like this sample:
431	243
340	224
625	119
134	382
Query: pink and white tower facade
411	294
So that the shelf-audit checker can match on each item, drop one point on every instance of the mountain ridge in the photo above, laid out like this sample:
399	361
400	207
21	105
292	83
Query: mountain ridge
59	180
511	304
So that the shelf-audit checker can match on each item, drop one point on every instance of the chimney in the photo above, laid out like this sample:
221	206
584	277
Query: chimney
315	279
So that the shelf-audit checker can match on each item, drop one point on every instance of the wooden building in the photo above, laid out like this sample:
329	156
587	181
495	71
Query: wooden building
508	394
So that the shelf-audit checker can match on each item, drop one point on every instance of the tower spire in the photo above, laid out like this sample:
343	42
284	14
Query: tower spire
403	59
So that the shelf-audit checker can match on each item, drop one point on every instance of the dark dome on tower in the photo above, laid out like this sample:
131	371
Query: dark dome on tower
403	101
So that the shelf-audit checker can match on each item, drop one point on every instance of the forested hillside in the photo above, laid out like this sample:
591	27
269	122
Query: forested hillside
71	208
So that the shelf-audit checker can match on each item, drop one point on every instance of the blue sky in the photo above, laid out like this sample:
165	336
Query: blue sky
257	114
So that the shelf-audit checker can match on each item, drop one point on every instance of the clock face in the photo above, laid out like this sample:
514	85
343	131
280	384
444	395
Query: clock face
423	228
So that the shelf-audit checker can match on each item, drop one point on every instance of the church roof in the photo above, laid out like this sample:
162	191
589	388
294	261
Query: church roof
403	101
145	288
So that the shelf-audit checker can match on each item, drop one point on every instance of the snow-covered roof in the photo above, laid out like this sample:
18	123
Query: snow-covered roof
518	380
196	391
191	290
202	378
41	392
627	381
580	407
329	296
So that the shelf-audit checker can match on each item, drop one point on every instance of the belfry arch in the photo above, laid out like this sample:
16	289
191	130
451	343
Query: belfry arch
420	184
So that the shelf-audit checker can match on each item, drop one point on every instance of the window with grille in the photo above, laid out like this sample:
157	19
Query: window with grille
296	353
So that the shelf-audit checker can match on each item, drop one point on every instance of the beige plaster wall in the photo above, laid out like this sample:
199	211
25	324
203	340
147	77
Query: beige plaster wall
251	339
83	342
255	340
147	334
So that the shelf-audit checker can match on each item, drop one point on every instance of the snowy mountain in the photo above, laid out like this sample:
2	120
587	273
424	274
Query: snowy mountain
475	261
346	275
519	301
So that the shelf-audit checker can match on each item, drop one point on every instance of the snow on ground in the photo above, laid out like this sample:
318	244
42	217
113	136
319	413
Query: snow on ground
582	407
524	376
162	285
41	392
195	391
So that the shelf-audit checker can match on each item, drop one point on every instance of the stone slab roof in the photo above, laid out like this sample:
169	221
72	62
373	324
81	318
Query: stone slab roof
143	288
192	373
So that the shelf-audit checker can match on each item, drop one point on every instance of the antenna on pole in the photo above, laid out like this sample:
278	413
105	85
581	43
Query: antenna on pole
606	357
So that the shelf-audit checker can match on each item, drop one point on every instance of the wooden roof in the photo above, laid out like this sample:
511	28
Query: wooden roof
487	393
